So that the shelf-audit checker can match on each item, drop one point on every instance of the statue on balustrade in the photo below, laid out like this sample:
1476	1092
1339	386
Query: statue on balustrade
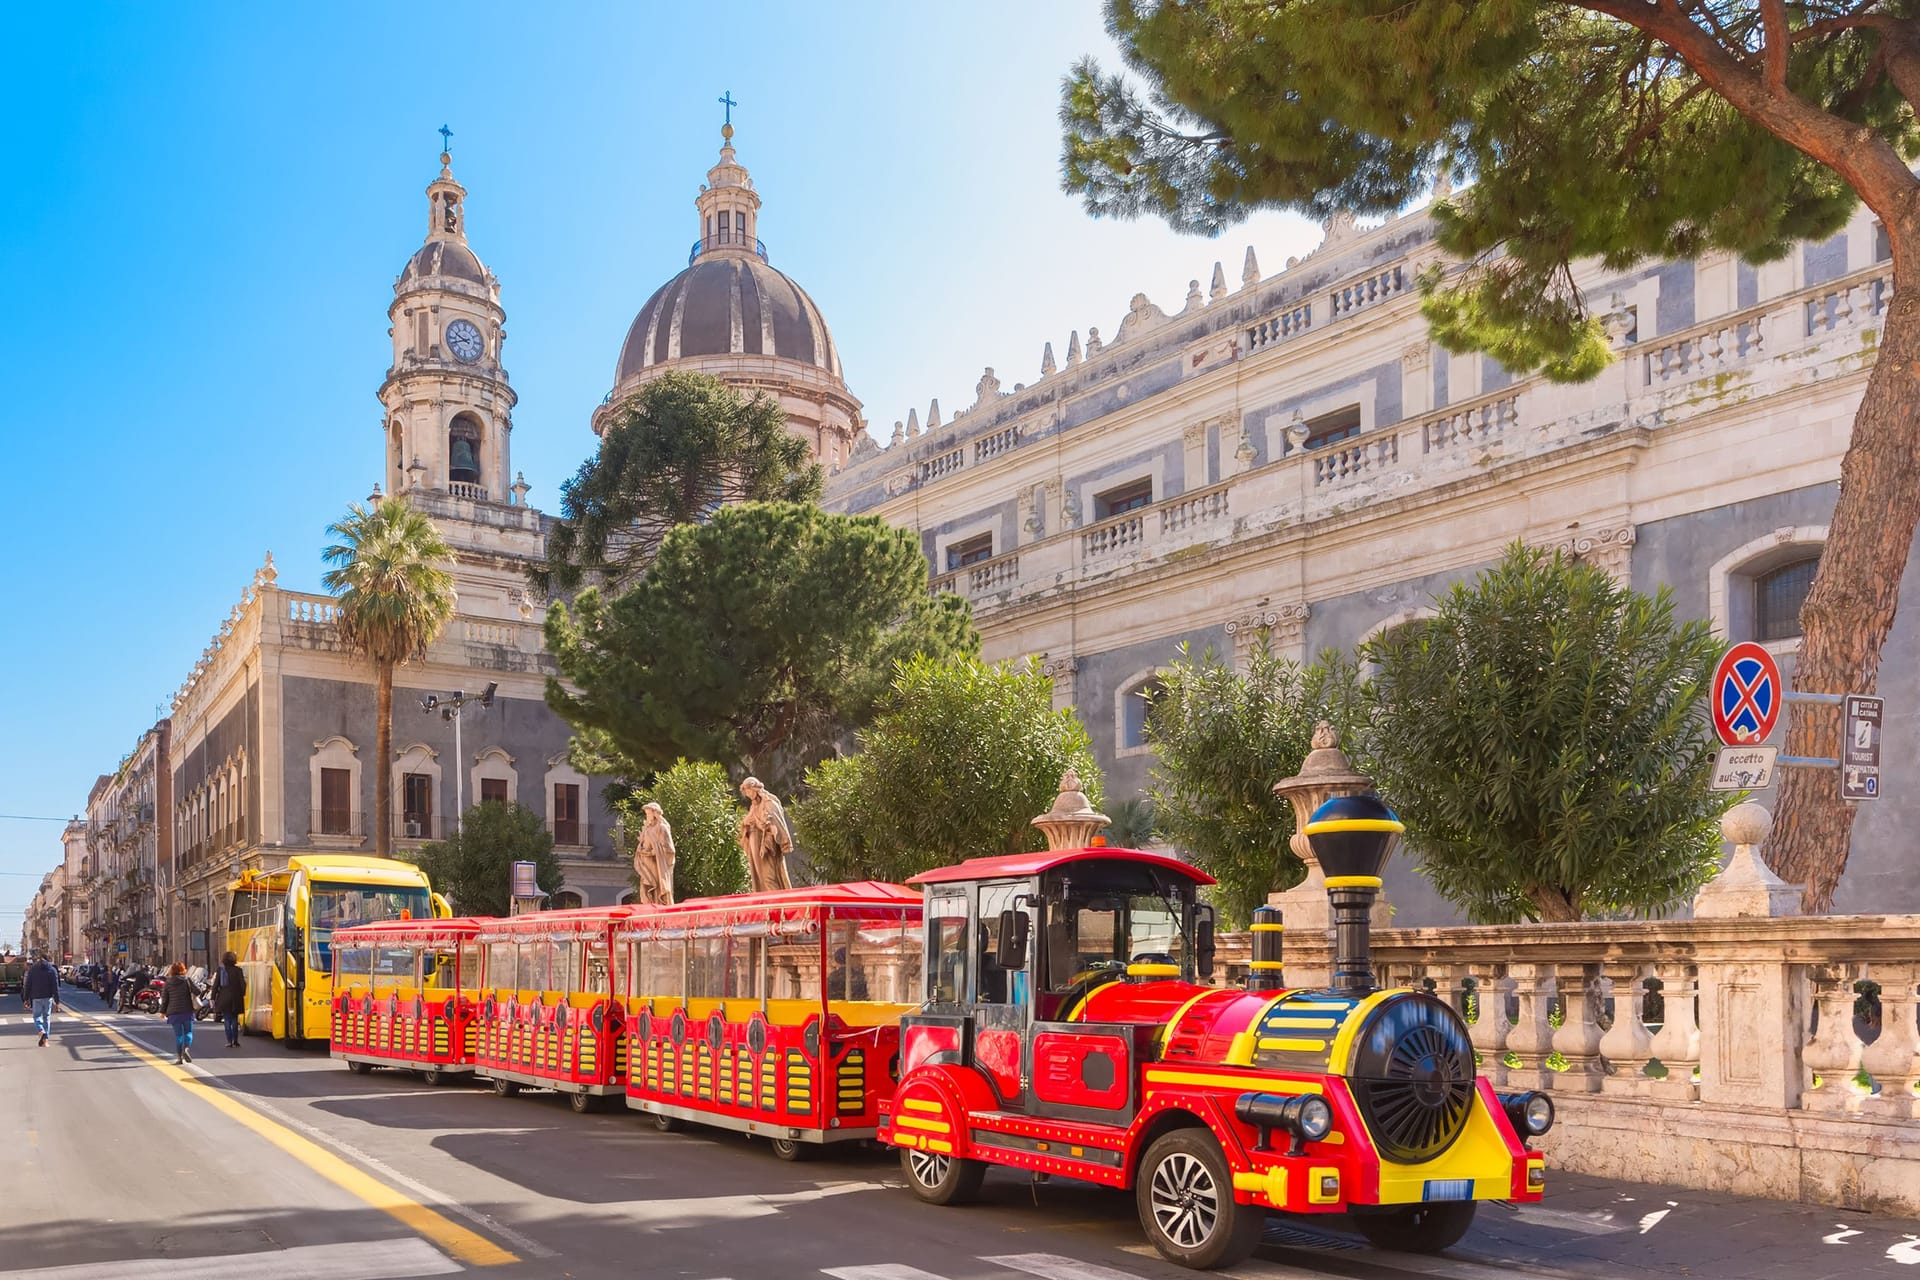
653	859
765	838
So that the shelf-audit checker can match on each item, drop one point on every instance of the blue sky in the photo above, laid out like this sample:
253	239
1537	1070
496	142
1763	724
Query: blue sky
205	208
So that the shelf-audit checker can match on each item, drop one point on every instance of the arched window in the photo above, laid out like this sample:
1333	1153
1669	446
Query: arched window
566	900
463	450
1130	727
1777	597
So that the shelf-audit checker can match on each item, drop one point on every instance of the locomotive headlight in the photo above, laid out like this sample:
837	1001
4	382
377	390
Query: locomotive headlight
1529	1113
1304	1117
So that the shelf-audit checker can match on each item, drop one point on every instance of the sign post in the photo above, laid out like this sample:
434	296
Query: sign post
1860	747
525	888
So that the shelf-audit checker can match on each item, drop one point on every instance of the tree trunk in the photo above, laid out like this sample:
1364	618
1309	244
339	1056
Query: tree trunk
1552	905
383	760
1850	608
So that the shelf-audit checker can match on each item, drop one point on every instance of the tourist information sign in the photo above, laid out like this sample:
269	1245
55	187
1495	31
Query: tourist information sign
1747	694
1743	768
1860	747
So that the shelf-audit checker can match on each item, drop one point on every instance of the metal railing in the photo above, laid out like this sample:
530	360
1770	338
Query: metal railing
336	822
726	239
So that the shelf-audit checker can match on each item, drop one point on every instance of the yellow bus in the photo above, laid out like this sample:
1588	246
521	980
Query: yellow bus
280	924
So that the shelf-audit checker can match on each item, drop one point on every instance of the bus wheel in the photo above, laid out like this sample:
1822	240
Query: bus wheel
583	1103
666	1124
359	1068
939	1179
1185	1195
1421	1228
505	1088
794	1151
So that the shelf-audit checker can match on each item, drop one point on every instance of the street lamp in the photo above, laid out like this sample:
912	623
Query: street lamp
450	705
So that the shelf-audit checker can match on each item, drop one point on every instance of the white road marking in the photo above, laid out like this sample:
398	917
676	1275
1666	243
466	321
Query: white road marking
1840	1236
1653	1219
1907	1252
1054	1266
886	1271
372	1260
1421	1264
1592	1224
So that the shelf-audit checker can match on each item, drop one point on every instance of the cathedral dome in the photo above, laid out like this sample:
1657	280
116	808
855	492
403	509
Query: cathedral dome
443	258
732	305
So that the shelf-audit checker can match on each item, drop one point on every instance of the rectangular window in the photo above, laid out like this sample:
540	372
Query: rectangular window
336	802
1330	428
1130	496
972	551
536	962
566	962
503	967
663	968
493	789
416	806
595	978
566	813
947	950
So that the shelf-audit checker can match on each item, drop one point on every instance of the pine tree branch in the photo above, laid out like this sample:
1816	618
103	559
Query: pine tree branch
1773	17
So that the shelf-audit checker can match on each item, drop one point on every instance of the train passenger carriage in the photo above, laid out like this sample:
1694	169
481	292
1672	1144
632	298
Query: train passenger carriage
404	996
771	1013
548	1018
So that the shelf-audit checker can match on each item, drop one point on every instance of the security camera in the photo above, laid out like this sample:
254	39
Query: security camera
429	702
486	698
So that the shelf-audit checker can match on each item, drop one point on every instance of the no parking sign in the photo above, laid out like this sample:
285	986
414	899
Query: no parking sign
1747	695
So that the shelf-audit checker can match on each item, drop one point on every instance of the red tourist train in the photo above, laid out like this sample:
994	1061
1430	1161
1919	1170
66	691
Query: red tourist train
1049	1012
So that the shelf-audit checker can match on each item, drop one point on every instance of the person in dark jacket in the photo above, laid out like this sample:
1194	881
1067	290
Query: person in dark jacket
230	996
176	1002
40	991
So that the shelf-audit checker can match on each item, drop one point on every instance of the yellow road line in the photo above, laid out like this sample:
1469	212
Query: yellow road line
460	1243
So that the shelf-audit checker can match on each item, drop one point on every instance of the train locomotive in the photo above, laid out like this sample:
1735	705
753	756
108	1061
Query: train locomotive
1069	1031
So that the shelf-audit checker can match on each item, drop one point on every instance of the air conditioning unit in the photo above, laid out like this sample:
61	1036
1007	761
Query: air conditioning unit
413	831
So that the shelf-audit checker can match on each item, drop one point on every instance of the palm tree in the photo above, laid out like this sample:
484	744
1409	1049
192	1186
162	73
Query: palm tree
395	599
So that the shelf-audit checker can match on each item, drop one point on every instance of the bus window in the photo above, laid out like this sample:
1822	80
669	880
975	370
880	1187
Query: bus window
502	967
707	968
662	971
946	932
332	906
595	980
536	964
566	968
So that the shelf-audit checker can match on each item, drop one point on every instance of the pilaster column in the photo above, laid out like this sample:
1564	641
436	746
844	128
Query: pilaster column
1061	670
1283	628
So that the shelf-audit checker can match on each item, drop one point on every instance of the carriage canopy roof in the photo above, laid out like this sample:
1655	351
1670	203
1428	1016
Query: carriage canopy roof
410	933
1023	865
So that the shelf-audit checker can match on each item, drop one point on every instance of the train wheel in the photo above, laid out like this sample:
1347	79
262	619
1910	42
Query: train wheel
939	1179
666	1124
790	1150
505	1088
1185	1194
583	1103
359	1068
1420	1228
433	1075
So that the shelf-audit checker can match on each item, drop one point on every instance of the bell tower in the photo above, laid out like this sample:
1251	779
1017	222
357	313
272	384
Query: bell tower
448	424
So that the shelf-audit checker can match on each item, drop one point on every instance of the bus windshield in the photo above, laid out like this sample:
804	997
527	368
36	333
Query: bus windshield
337	906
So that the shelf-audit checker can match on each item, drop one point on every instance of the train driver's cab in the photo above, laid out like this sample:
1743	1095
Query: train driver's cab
1017	949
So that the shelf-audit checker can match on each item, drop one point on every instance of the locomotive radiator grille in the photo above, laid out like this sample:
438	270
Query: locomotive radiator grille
1412	1073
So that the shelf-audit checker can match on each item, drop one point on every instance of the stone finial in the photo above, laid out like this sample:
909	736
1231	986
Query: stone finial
1194	300
520	488
1250	273
1218	289
373	499
913	423
933	415
1093	342
267	575
1324	774
1072	822
1047	365
1073	349
1745	886
987	390
899	433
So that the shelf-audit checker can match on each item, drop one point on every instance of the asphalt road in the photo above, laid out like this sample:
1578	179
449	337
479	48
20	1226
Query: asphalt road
263	1161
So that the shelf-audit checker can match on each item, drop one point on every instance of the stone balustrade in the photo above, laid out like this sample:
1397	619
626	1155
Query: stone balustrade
1121	533
1708	349
1472	422
1196	508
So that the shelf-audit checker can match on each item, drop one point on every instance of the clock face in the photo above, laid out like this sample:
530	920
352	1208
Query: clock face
464	341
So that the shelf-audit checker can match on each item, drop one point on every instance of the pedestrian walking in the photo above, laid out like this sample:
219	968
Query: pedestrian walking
177	1003
40	991
230	996
110	988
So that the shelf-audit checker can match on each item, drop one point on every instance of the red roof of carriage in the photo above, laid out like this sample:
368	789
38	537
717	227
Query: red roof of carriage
395	932
1018	865
852	899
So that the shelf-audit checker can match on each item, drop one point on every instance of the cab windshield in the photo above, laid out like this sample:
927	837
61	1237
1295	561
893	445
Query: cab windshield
1123	916
337	906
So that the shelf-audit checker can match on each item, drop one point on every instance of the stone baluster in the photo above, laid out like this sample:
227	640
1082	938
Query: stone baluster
1832	1056
1677	1043
1446	986
1577	1038
1628	1045
1891	1058
1531	1036
1489	1025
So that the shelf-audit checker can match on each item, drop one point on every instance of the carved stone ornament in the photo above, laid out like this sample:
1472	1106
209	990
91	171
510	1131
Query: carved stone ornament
1142	317
1054	668
1415	357
1597	544
899	482
1194	434
1342	226
987	390
1278	626
1072	822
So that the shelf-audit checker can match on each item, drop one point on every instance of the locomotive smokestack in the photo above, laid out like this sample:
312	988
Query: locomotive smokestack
1351	838
1266	975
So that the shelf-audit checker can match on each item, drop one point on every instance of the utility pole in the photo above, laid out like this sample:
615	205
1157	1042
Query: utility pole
450	706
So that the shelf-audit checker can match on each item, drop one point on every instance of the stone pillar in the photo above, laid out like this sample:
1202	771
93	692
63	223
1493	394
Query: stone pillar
1324	774
1061	671
1752	1011
1627	1045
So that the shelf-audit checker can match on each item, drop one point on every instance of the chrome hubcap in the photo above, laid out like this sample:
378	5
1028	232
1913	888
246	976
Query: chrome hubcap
928	1170
1184	1199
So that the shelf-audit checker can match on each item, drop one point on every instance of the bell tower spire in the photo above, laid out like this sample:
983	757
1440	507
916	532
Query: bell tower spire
446	199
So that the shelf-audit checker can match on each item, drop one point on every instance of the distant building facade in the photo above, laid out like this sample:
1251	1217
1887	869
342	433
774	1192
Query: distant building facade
1294	462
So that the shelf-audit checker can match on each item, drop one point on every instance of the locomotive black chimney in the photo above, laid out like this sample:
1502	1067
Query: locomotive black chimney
1351	838
1266	975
